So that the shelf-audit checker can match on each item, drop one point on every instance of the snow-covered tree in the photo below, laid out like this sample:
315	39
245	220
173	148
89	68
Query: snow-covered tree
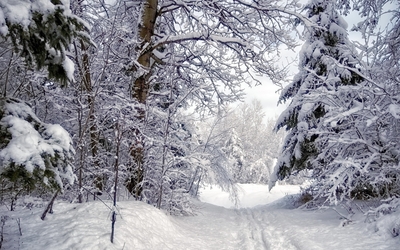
361	139
197	47
33	154
35	38
365	155
92	106
328	71
247	144
260	142
233	149
342	119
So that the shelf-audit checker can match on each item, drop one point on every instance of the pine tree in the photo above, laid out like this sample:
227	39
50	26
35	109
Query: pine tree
360	150
327	63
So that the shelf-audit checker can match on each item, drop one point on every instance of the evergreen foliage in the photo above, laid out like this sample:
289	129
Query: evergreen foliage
33	154
342	117
43	37
233	149
328	69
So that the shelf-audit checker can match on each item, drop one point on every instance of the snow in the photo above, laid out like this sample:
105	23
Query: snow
3	26
394	110
69	68
32	141
26	146
250	195
263	221
17	11
20	12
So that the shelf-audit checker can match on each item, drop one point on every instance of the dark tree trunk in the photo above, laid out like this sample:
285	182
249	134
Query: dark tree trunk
49	206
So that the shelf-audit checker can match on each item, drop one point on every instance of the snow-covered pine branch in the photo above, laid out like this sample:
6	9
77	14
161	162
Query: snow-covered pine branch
41	31
32	153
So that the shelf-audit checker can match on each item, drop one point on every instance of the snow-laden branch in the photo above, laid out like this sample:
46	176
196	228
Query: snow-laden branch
349	112
43	151
270	9
196	36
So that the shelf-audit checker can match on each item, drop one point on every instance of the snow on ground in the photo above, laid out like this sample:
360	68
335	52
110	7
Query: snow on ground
250	195
257	224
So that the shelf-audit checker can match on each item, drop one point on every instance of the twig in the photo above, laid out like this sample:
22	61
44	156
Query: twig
18	220
87	190
360	208
348	220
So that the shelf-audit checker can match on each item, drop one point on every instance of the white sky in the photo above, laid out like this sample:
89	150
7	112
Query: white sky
268	93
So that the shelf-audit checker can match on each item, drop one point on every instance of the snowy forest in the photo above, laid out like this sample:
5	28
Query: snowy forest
104	100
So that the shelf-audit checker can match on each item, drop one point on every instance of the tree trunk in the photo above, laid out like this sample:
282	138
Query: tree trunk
86	86
140	90
87	82
93	133
116	164
146	31
49	206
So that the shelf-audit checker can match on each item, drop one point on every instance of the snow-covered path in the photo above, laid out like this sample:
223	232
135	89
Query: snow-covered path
274	227
277	227
257	231
264	234
256	224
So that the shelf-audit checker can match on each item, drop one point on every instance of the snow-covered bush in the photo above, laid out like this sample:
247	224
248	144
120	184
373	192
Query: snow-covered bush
386	217
33	154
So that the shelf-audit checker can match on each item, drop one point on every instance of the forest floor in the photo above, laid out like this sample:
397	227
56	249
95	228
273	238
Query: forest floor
262	220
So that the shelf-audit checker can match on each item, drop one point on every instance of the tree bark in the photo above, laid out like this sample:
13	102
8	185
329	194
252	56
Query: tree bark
116	164
49	206
140	90
86	86
146	31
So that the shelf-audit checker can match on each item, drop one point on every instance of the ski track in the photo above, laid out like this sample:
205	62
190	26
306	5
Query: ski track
257	232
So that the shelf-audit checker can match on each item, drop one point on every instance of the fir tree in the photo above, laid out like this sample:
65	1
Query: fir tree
359	134
327	63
